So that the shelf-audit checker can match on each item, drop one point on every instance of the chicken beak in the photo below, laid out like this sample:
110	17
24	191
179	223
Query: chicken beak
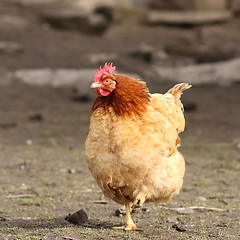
96	85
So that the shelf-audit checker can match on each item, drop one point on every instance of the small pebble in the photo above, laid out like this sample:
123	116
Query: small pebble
146	210
120	212
172	219
3	219
200	198
29	142
101	201
36	117
71	171
179	228
185	211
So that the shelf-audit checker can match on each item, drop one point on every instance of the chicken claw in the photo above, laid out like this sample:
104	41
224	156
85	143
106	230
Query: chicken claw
129	224
139	201
129	227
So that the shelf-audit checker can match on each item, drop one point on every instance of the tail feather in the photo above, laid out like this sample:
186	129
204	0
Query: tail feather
177	91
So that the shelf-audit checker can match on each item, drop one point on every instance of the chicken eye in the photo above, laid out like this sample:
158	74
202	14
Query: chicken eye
107	81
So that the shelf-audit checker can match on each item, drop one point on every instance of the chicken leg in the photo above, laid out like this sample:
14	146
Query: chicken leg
129	224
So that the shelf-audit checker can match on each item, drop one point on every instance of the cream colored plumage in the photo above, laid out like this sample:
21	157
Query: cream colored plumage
134	157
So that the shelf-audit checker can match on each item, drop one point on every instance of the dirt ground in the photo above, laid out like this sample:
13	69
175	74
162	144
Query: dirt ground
43	174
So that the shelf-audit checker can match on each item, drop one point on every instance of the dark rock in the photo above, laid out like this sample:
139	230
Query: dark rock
222	225
77	20
179	228
96	24
79	218
8	125
36	117
146	210
120	212
107	12
3	219
144	52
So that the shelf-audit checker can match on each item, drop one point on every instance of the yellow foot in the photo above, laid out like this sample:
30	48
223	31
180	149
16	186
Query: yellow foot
129	227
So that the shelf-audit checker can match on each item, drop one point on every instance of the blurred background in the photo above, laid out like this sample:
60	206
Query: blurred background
49	53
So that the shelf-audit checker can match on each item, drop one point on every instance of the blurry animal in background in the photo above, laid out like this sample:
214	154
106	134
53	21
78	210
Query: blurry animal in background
133	140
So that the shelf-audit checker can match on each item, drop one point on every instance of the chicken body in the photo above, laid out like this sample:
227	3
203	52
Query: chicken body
134	157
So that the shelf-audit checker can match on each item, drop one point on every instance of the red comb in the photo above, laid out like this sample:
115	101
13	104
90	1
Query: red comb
107	69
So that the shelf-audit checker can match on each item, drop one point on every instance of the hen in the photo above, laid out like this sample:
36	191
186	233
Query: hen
132	145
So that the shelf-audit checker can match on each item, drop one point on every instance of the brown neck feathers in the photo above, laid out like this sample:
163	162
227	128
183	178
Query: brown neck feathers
130	97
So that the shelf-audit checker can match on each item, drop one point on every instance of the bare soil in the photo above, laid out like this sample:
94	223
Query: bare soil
43	174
